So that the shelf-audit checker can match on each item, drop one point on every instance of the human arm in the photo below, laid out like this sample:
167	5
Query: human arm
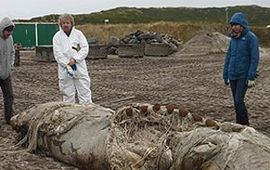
226	66
254	58
12	54
57	51
84	49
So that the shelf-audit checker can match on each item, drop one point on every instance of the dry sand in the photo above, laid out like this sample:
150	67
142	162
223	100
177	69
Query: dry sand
193	81
204	43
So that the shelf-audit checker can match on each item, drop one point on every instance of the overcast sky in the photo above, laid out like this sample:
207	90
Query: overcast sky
26	9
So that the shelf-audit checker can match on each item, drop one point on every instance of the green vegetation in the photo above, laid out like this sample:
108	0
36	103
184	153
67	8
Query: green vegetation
258	16
182	23
178	30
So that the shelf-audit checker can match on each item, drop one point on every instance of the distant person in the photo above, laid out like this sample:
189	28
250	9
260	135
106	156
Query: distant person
241	63
6	63
70	49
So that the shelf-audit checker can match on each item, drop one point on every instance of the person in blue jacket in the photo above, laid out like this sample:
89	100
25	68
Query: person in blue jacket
241	62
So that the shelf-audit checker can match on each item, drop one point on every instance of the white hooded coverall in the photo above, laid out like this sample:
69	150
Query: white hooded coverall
63	52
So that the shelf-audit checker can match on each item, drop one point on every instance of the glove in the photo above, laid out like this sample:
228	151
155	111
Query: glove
74	67
226	82
251	83
70	71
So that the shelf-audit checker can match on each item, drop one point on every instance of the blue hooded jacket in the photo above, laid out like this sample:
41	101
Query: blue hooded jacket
242	58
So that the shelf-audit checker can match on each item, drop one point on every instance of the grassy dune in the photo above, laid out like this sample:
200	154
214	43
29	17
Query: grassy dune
181	22
258	16
182	31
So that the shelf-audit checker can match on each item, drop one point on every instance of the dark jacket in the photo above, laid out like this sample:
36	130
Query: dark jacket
242	58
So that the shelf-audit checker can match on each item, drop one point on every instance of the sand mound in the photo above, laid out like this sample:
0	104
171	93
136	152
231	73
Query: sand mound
205	43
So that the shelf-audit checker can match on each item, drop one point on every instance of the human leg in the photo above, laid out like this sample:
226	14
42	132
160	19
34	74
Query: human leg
7	90
83	90
67	88
239	88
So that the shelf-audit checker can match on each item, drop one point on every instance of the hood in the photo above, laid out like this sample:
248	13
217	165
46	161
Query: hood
240	18
5	23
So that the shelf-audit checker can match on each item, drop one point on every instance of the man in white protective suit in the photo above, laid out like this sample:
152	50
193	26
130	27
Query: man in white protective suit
70	49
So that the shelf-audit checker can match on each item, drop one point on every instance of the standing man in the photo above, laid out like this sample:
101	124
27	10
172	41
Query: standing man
70	49
6	63
241	64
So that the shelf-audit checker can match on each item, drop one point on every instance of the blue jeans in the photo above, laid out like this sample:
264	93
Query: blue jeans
239	88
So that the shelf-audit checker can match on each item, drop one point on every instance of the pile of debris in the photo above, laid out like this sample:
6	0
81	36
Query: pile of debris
205	43
141	38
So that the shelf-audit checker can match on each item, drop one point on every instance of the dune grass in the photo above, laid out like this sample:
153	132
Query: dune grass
180	31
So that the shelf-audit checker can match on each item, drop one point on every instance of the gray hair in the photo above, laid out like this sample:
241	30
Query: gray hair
66	17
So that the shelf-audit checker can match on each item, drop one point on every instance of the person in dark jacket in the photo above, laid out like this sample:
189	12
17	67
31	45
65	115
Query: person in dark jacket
241	64
6	63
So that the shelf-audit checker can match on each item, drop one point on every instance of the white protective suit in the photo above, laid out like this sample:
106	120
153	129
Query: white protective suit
63	52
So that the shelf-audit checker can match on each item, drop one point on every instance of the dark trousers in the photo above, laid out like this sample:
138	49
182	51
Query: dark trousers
239	88
6	87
